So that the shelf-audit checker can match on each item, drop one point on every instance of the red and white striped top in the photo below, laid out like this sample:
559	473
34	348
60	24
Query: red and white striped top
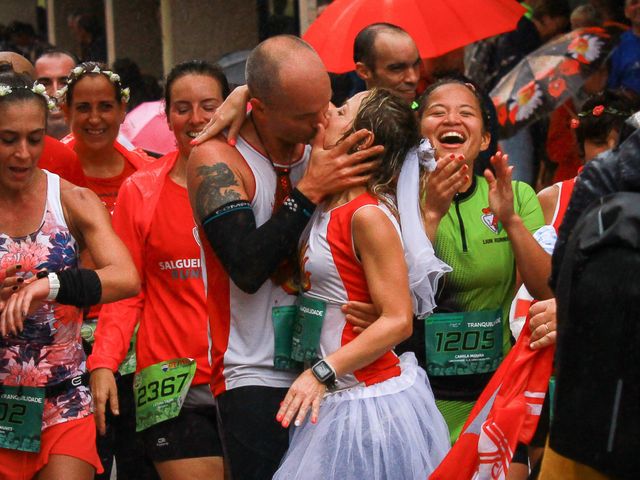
333	273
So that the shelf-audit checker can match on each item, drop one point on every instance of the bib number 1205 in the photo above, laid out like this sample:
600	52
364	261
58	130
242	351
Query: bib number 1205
465	341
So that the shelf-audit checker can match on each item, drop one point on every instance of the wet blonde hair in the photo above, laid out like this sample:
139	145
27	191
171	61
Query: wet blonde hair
395	126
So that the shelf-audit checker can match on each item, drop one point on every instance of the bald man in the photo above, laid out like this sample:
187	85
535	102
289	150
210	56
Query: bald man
387	57
19	64
250	221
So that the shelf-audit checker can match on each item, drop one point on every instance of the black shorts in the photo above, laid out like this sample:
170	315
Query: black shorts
540	436
521	454
254	443
192	434
121	440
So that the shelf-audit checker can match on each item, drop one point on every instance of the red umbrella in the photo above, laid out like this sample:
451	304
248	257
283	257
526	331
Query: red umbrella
437	26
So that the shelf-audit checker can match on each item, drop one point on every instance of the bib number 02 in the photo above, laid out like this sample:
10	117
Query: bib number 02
160	391
13	414
21	418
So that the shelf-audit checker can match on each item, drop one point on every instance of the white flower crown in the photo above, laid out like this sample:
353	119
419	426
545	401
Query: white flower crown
79	71
37	88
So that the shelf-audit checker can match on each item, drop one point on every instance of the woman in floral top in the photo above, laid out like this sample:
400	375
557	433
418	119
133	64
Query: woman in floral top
46	424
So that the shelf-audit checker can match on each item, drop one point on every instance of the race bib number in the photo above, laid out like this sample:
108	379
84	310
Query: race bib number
21	418
463	343
305	344
160	391
284	319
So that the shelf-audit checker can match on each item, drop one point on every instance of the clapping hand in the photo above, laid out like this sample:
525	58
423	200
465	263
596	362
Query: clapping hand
450	175
500	191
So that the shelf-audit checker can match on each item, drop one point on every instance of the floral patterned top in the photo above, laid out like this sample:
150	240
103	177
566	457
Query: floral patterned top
48	350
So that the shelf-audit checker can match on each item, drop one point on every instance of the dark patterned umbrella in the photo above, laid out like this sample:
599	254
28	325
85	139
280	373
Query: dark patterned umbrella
547	77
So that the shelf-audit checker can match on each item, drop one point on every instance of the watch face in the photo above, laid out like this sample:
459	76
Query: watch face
322	370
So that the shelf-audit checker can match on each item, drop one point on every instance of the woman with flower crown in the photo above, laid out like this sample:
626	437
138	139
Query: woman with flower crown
95	105
46	425
94	102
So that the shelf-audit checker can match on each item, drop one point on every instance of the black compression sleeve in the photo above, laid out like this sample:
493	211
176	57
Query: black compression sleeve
251	255
80	287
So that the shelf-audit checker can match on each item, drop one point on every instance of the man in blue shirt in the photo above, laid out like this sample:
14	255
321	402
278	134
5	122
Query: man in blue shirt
625	62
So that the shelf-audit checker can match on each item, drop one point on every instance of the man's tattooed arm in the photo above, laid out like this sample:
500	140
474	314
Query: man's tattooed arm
215	188
248	253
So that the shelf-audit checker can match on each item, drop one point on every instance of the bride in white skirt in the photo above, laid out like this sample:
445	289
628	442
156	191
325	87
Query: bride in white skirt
372	414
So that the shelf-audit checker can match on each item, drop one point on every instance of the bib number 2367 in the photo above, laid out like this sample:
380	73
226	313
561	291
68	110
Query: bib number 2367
160	391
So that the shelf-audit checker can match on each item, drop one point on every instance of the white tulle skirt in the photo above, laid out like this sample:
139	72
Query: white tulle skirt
390	430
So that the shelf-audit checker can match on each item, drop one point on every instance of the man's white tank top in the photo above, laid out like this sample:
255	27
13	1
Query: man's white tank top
240	324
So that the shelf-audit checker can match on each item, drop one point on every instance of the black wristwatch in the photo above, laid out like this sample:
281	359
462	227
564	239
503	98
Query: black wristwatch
324	373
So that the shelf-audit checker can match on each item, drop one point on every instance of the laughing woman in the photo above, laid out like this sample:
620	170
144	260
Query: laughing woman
95	104
484	230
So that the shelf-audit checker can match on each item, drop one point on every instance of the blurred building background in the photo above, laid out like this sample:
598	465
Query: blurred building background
155	34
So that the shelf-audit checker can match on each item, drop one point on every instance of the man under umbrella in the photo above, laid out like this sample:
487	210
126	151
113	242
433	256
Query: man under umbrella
387	57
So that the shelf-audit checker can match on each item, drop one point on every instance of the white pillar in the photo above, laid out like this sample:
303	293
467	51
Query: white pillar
308	10
51	22
167	36
109	31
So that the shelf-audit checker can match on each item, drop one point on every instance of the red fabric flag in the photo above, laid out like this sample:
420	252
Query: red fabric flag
506	413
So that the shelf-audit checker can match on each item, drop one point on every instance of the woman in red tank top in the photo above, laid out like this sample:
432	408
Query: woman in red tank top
371	414
153	217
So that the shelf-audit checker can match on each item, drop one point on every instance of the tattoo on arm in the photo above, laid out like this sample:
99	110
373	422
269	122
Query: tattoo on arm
214	190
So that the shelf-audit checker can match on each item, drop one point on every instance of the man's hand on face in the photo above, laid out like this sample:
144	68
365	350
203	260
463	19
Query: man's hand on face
340	168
